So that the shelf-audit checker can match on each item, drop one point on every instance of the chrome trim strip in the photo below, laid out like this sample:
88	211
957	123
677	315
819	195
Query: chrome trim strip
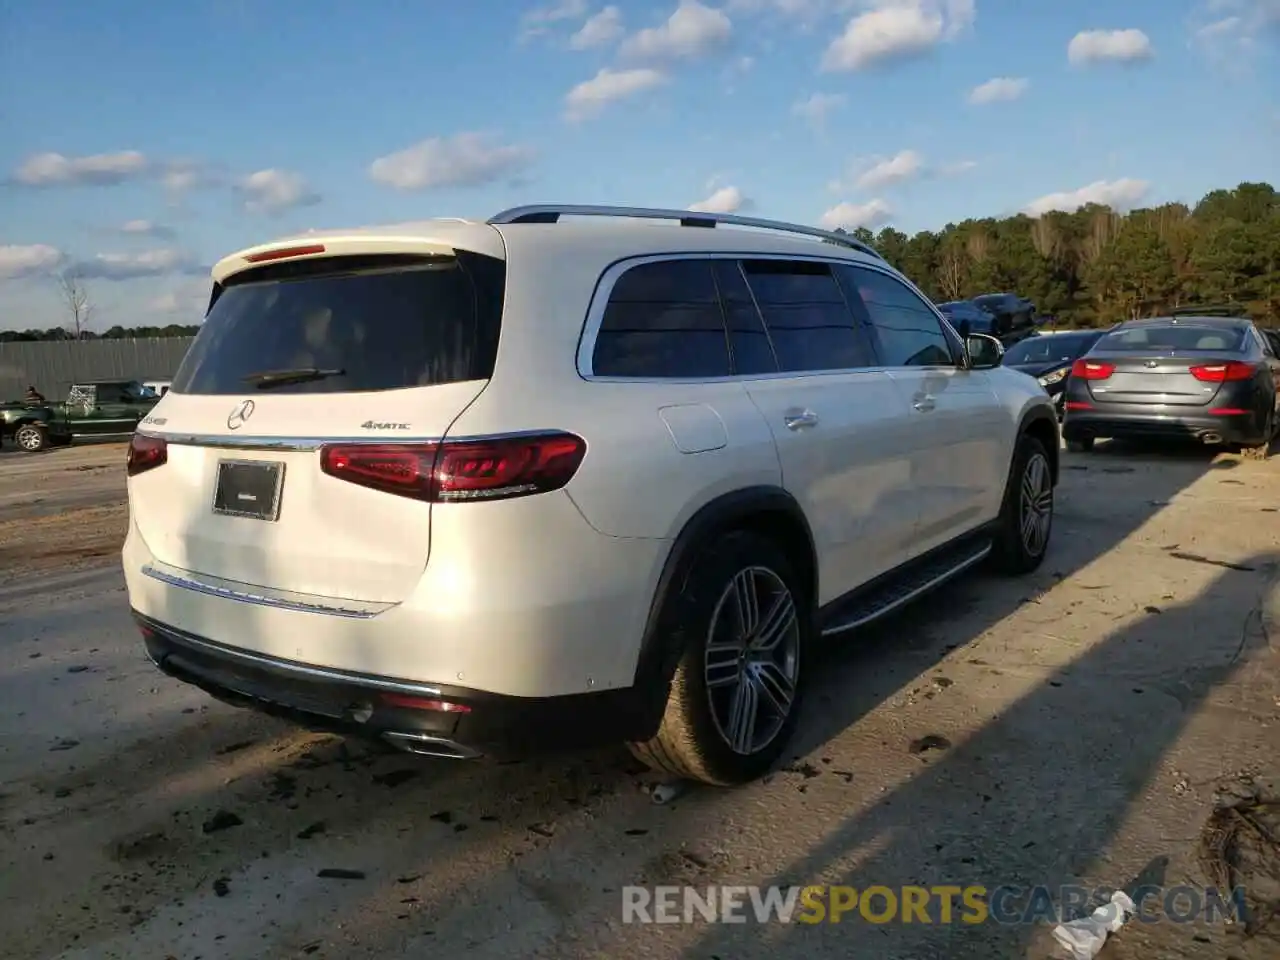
551	213
364	612
908	597
232	442
304	444
290	667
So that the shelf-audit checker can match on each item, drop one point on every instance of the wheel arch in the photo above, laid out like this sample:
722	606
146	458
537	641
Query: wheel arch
1041	422
768	510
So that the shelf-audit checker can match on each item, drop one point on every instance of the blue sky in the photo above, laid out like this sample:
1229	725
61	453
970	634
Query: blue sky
141	141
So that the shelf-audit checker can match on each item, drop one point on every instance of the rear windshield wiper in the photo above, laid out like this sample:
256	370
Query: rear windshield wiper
267	379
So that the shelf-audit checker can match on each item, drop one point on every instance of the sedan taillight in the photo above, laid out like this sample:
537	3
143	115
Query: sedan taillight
1223	372
1084	369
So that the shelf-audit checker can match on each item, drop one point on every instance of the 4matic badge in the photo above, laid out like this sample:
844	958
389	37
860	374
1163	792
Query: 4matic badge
379	425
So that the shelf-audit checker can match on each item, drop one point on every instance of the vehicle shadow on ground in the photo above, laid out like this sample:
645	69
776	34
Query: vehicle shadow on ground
862	668
1018	803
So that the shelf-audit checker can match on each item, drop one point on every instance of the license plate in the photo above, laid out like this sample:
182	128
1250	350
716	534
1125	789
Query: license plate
248	488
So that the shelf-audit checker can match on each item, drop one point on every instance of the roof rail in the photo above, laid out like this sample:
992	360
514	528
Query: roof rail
551	213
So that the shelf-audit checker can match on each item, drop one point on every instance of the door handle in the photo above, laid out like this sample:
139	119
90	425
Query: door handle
797	419
925	403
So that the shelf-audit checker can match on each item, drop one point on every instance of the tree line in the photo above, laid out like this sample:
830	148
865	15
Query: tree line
114	333
1092	267
1095	267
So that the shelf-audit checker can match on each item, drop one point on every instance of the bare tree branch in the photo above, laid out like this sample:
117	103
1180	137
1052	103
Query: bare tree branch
75	296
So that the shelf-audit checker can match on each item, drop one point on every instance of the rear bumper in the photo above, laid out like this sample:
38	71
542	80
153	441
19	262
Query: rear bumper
1107	421
491	611
408	715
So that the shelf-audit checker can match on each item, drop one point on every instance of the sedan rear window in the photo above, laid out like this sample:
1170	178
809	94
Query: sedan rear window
1182	336
349	324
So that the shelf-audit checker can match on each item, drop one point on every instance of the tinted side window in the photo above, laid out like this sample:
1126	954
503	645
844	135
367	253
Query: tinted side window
808	319
110	393
906	330
663	319
752	351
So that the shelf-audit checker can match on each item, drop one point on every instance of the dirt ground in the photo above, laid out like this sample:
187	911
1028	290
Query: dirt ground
1086	717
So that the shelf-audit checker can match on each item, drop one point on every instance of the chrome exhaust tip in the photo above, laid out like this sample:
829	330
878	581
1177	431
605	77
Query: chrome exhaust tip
429	745
1211	438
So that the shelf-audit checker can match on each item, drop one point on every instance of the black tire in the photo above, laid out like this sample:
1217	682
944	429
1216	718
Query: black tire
1083	445
1021	541
1261	451
31	437
690	742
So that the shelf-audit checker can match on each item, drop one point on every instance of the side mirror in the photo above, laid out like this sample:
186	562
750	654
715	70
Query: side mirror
983	352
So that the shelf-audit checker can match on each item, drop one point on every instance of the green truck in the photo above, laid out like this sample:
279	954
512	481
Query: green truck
93	408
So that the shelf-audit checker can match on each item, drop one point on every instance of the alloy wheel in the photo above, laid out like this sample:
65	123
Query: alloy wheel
1036	514
752	659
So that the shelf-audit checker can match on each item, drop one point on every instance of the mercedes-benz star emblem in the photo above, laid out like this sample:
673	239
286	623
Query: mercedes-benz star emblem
238	416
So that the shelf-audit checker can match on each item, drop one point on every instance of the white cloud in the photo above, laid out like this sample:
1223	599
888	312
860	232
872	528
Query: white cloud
100	169
17	261
1120	195
274	191
814	109
537	21
589	98
600	30
727	199
998	90
1233	31
850	216
145	228
907	165
130	266
180	176
1117	46
802	13
693	30
463	160
957	168
895	29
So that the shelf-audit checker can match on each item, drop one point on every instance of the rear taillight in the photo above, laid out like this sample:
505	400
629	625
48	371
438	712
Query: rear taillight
452	470
1092	370
1223	372
146	453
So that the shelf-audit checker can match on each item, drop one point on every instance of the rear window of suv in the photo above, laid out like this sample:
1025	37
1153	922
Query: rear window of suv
359	323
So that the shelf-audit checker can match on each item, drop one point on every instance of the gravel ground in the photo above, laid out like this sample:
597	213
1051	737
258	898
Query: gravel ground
1085	717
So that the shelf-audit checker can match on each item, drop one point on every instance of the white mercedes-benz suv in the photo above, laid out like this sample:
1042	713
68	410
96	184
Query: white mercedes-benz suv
570	476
